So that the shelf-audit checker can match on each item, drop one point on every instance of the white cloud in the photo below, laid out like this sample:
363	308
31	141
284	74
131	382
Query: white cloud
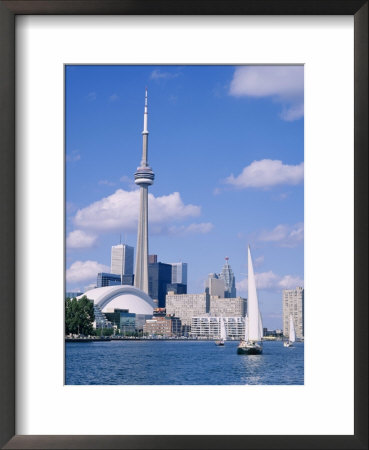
158	74
271	282
284	235
292	113
193	228
85	271
266	280
284	84
73	156
290	282
70	207
119	211
267	173
80	239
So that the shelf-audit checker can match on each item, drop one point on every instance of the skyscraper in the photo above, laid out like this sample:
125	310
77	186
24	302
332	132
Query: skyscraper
108	279
293	304
144	177
160	275
122	260
214	285
179	273
229	281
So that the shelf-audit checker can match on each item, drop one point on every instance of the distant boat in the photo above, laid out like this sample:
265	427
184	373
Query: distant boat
251	344
291	334
223	334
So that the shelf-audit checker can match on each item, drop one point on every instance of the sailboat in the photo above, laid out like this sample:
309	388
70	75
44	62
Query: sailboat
251	344
223	334
291	334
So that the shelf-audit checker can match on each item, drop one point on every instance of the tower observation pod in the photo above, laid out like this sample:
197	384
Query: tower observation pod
144	177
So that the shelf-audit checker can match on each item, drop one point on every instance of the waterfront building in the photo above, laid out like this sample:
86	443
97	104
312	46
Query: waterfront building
126	321
232	307
144	177
293	304
229	280
121	297
101	320
177	288
163	326
129	323
272	333
108	279
186	306
208	327
214	285
179	273
123	320
121	260
160	275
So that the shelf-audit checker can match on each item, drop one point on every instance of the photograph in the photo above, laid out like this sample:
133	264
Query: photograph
174	174
185	250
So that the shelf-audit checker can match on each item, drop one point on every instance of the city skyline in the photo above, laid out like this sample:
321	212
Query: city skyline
228	151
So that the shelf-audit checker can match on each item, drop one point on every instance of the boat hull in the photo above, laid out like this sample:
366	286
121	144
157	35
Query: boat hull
249	349
219	343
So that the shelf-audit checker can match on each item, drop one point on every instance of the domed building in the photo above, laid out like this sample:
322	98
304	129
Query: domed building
121	297
132	301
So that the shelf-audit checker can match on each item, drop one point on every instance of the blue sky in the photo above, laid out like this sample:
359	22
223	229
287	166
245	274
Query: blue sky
226	145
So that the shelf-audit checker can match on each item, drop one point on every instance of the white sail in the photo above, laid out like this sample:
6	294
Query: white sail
223	334
246	328
292	335
261	326
255	325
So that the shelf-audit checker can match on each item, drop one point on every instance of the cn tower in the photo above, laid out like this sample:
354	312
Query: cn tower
144	177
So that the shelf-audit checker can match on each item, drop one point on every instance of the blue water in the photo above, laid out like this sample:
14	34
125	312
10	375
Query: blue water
181	362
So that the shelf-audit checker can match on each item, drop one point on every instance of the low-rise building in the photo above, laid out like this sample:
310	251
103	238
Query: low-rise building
163	326
125	321
208	327
231	307
186	306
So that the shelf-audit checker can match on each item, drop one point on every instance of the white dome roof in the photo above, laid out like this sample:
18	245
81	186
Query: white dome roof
121	297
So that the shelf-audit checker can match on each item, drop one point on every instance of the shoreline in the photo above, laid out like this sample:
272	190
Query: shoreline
109	339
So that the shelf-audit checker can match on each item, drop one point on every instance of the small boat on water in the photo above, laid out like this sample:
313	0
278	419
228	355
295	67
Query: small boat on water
291	334
251	344
223	334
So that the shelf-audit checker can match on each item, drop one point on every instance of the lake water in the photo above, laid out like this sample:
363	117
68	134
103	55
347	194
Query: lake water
181	362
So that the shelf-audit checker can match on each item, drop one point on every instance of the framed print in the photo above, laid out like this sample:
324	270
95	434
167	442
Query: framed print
68	83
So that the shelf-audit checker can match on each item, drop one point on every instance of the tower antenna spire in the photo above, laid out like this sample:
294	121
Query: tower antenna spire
144	177
145	134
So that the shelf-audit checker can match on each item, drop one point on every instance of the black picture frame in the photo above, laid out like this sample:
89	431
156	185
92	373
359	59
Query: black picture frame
8	12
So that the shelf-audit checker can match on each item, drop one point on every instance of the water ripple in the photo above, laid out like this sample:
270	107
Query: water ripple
180	363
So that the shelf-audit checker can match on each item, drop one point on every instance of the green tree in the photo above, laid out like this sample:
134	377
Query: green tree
79	316
104	331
